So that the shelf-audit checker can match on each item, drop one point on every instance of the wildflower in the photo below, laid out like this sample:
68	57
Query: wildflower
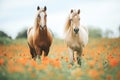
93	73
92	63
1	61
113	62
66	59
69	66
109	77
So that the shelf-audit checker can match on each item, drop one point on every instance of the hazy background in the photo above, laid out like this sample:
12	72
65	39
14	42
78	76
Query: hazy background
16	15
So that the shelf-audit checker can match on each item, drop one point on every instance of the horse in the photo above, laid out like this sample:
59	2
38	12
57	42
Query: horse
76	36
38	36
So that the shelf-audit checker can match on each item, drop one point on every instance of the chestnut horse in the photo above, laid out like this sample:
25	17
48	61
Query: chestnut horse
76	36
38	37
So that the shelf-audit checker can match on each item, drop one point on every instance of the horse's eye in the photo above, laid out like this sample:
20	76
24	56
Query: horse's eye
79	19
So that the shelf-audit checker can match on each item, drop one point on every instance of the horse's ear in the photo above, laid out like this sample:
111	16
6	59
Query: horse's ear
45	8
38	8
78	11
71	11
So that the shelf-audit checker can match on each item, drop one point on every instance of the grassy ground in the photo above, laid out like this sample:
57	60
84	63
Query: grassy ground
100	61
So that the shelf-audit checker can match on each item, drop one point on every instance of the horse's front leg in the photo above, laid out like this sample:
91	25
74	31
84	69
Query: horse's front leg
79	53
38	52
46	51
32	52
71	55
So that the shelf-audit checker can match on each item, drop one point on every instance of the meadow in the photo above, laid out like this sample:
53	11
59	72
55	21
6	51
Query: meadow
100	61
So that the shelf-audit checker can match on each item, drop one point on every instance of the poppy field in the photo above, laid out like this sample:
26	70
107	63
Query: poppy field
100	61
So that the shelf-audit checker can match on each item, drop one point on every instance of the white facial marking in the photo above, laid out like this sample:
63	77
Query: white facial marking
42	19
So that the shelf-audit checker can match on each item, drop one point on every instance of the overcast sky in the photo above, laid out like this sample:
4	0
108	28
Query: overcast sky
16	15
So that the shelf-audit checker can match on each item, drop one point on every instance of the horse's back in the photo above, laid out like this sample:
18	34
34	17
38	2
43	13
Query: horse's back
85	28
84	34
30	36
50	36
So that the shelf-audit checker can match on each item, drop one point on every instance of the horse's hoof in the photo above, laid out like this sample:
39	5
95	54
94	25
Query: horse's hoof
34	58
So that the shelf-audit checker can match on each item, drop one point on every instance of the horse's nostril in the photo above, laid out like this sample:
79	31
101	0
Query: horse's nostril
76	30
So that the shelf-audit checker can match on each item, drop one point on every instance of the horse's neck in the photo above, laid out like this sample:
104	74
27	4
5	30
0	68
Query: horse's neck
38	31
36	25
43	32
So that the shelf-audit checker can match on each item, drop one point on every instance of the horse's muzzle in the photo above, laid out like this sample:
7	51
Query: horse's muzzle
76	30
42	28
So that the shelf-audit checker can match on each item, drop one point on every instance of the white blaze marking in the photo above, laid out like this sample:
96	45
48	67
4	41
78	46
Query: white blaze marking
42	19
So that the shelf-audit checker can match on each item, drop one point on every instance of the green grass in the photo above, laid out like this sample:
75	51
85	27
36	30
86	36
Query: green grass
5	40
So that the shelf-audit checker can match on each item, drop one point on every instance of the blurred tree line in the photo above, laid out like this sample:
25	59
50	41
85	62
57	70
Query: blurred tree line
22	34
3	34
93	33
4	38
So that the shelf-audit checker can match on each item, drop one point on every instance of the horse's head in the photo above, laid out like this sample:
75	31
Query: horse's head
42	17
74	20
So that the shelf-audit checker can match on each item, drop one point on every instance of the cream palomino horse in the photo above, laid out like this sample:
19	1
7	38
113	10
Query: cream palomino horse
76	36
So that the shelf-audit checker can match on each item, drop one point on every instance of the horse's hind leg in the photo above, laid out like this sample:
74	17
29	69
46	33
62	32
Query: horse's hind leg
71	55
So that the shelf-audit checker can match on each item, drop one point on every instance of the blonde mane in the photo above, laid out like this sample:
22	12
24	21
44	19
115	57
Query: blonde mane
36	20
67	25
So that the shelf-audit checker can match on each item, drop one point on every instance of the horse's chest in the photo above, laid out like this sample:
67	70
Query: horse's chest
43	42
73	43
